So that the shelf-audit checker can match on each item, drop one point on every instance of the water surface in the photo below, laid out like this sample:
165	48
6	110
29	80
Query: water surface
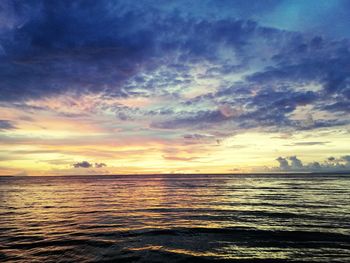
175	218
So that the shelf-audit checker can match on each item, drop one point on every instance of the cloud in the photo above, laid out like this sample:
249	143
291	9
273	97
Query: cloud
83	164
100	165
331	164
6	125
176	158
331	159
283	163
85	48
198	119
346	158
86	164
270	96
311	143
200	71
295	163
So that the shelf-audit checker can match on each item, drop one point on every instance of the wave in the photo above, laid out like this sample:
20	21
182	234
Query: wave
175	219
243	233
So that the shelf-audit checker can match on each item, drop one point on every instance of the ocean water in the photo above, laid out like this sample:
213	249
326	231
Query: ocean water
175	218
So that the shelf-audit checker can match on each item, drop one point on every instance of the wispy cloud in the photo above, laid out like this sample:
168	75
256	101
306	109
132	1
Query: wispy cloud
307	143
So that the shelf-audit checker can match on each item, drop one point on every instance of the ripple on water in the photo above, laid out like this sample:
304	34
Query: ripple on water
272	218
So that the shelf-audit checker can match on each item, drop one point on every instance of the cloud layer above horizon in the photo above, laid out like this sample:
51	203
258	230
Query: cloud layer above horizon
180	86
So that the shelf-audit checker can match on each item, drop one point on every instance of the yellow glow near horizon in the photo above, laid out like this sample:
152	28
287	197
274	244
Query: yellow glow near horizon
233	154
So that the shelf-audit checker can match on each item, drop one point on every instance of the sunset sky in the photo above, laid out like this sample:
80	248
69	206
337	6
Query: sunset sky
206	86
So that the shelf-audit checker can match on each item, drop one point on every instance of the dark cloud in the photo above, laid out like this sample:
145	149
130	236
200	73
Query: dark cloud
340	106
331	159
80	46
123	49
6	125
86	164
283	163
83	164
268	97
332	164
201	118
295	163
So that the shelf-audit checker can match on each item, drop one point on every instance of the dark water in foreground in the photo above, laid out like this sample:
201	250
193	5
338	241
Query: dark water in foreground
239	218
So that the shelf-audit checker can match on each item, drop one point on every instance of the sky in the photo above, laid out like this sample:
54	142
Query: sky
186	86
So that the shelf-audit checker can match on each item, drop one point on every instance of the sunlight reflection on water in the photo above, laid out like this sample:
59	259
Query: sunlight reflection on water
173	218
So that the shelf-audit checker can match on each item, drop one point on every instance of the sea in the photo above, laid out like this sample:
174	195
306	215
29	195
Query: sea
176	218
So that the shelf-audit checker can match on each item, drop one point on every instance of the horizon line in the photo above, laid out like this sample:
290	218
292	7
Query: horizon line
176	174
